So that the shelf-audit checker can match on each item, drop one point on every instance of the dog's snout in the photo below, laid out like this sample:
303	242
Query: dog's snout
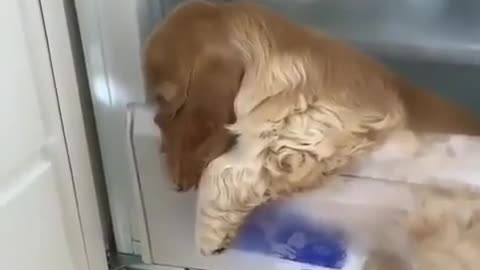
186	173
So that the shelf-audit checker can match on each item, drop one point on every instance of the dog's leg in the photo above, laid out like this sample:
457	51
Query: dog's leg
230	188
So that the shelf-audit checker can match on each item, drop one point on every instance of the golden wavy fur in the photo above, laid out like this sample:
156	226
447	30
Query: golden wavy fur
306	105
442	232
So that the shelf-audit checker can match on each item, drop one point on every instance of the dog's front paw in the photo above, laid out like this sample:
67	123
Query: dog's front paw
228	191
218	219
216	228
213	241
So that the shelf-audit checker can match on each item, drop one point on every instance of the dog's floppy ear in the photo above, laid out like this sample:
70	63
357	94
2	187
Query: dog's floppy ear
199	128
214	84
193	73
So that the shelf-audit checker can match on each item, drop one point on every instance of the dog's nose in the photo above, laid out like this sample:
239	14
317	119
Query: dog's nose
190	172
157	119
178	178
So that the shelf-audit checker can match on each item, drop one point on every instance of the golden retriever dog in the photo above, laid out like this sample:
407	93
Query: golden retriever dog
304	106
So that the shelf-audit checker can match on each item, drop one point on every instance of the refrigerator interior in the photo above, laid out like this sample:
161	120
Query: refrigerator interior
435	43
169	217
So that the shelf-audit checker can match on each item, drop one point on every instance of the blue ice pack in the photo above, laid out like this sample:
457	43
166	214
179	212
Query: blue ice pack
277	231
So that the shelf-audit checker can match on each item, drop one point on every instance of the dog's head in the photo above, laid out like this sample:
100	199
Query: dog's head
193	75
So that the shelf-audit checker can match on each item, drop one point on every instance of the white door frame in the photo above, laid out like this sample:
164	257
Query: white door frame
112	32
66	69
